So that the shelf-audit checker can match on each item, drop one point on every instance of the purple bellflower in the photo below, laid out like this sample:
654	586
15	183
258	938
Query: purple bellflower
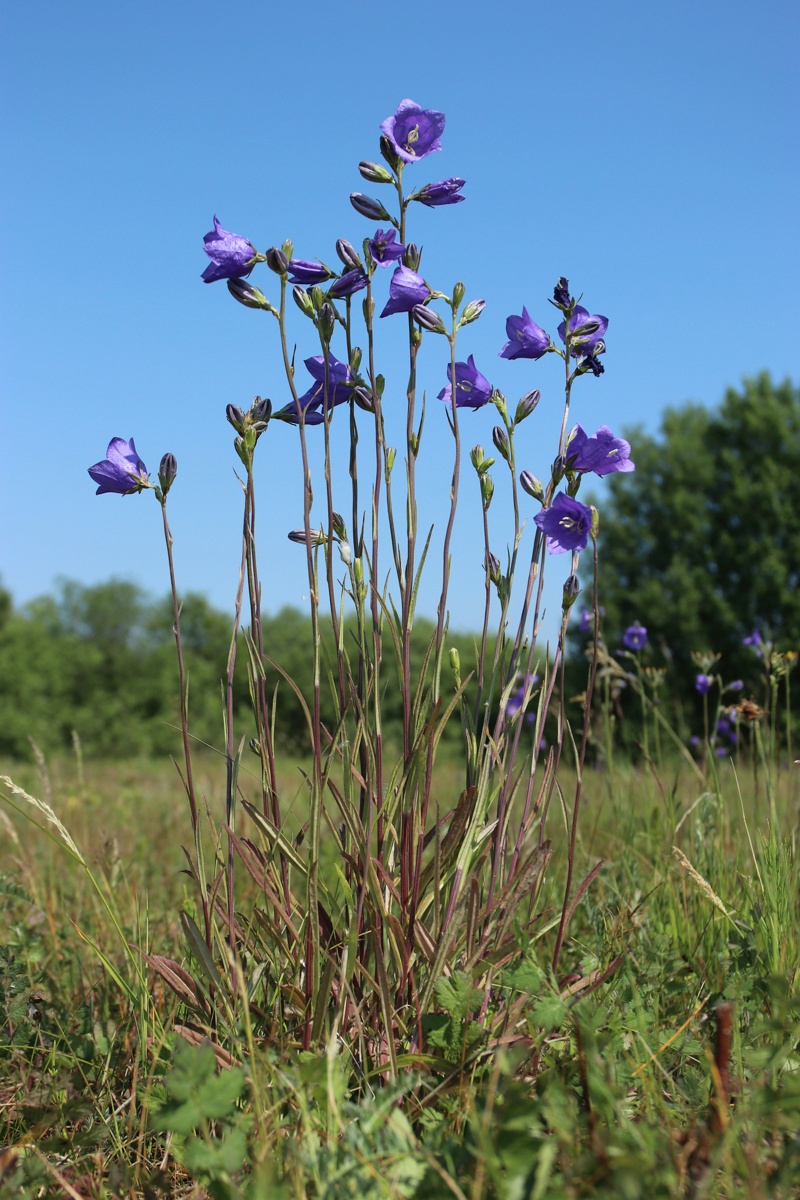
473	390
308	272
566	524
525	338
437	194
384	247
231	256
122	471
312	403
414	132
406	289
347	284
518	695
703	684
756	641
603	453
736	686
586	622
634	637
584	345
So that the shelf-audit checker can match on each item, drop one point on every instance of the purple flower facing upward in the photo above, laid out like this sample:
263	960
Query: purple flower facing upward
584	344
704	684
525	338
308	272
413	131
406	289
634	637
566	524
312	403
122	471
473	390
603	453
437	194
384	247
231	256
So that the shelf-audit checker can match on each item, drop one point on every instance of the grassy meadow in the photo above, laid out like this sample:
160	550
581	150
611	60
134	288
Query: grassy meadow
663	1060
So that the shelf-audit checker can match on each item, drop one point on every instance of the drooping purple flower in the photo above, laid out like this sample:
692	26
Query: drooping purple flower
525	338
406	289
704	683
634	637
414	132
308	272
566	524
121	471
736	686
603	453
312	403
473	390
347	284
587	330
444	192
231	256
384	247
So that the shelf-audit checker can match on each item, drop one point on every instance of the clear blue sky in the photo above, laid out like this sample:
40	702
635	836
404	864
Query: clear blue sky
648	152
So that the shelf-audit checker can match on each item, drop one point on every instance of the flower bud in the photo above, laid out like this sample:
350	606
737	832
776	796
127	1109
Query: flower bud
316	537
493	567
373	210
487	488
570	594
595	521
561	294
349	255
458	295
532	486
559	467
363	399
500	439
411	257
338	525
526	405
249	296
428	319
347	284
355	359
167	472
388	152
288	249
472	311
374	172
391	455
368	309
455	659
277	261
476	457
303	301
235	417
261	410
326	321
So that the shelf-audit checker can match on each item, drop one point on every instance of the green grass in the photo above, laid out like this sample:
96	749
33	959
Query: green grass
621	1095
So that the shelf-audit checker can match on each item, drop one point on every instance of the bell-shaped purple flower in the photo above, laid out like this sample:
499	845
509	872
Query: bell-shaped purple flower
444	192
308	272
347	284
603	453
525	338
384	247
122	471
312	403
414	132
231	256
634	637
406	289
473	390
588	331
566	524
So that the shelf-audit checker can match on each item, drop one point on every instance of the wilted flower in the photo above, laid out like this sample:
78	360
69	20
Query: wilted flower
312	403
602	453
444	192
414	132
634	637
231	256
347	284
587	330
122	471
405	290
704	684
385	248
561	293
526	339
308	272
473	390
567	524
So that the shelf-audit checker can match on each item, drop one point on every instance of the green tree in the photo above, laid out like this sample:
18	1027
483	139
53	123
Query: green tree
702	542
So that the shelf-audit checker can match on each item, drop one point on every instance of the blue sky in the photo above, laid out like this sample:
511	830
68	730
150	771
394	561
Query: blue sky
648	152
